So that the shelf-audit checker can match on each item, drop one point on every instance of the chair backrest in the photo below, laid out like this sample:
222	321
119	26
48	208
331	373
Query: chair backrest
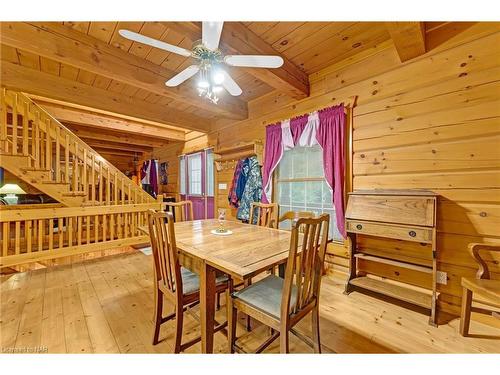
166	262
474	248
294	216
305	264
264	214
182	211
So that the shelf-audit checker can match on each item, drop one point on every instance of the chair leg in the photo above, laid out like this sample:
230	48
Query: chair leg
248	282
179	316
466	309
284	341
231	320
315	330
158	315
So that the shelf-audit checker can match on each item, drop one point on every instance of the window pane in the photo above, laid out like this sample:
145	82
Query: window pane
182	175
313	196
284	193
299	162
194	174
314	193
315	162
210	173
298	193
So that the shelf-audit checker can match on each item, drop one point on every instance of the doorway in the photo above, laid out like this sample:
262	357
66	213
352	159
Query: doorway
197	182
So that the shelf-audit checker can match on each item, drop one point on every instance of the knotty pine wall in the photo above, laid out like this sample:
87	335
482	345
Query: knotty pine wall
430	123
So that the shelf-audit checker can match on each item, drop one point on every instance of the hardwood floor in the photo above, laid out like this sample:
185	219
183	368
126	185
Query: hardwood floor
105	305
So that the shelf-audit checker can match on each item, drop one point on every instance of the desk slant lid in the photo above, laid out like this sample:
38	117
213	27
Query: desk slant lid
393	206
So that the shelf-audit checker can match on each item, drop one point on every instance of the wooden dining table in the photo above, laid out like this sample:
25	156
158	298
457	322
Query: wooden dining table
248	251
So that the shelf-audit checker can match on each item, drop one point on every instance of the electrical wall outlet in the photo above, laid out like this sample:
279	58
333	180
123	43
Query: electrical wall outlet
442	277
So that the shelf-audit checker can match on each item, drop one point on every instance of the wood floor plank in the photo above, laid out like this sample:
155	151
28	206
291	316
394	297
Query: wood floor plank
53	336
75	327
106	305
13	294
30	326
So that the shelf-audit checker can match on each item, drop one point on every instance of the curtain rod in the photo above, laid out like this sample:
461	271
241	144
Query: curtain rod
349	104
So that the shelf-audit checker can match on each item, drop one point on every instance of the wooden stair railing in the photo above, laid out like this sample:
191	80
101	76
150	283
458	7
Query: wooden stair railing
43	152
34	235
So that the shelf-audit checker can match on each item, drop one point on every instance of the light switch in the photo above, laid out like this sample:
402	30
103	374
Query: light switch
222	186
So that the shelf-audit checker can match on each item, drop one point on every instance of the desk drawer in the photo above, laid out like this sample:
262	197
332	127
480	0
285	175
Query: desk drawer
406	233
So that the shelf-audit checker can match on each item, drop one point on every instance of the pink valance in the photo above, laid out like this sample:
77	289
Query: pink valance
325	128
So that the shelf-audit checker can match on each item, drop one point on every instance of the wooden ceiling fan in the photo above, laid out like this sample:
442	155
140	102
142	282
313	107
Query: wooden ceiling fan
212	77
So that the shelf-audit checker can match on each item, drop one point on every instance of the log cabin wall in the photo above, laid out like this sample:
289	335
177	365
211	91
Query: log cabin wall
429	123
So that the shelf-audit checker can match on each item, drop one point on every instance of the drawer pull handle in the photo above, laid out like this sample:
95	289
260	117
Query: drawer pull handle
412	233
359	227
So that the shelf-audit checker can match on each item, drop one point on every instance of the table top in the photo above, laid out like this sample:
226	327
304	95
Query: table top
249	250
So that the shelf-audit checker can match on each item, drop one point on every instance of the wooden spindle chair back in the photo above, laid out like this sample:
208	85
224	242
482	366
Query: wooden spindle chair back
166	261
294	216
182	211
305	265
266	214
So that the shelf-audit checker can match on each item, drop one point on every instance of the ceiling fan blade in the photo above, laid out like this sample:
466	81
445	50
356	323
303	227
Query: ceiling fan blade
230	85
254	61
182	76
210	34
154	42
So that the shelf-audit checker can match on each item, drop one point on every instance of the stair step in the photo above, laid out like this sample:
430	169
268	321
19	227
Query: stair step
55	183
74	194
392	290
32	169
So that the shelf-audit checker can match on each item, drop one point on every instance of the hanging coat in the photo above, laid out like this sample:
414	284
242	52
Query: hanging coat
242	178
253	190
232	197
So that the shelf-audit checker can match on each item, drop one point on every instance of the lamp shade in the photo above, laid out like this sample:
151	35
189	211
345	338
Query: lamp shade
11	189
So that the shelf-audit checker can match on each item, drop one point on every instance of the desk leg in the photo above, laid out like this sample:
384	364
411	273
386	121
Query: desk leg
207	308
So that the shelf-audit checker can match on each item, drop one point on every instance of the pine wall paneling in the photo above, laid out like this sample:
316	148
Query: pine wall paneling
429	123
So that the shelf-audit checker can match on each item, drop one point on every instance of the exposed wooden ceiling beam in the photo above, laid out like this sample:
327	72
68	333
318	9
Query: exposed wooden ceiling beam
105	144
238	39
43	84
102	122
85	132
116	153
408	38
85	52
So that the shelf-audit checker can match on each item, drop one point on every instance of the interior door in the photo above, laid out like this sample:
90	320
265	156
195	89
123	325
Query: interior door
197	183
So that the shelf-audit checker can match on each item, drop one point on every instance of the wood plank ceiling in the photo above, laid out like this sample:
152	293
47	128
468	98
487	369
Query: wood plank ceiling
306	46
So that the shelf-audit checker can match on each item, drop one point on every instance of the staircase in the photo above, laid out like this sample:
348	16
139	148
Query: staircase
103	209
42	152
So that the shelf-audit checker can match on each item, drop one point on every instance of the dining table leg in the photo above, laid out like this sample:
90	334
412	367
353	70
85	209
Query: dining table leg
207	308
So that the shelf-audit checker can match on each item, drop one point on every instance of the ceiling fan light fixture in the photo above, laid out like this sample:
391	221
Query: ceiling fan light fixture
217	89
203	84
218	77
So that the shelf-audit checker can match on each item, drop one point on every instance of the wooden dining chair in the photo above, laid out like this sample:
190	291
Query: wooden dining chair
264	214
182	211
281	303
482	286
173	282
294	216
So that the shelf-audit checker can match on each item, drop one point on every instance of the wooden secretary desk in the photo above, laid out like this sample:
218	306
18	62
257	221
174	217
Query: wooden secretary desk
397	217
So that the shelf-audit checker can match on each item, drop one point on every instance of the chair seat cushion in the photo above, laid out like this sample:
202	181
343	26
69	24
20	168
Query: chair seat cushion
265	295
191	281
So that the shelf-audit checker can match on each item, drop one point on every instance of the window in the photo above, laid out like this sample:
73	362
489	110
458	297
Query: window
194	173
301	186
210	172
182	175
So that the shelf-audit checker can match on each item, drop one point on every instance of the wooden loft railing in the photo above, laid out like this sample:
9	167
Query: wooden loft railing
38	148
31	235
